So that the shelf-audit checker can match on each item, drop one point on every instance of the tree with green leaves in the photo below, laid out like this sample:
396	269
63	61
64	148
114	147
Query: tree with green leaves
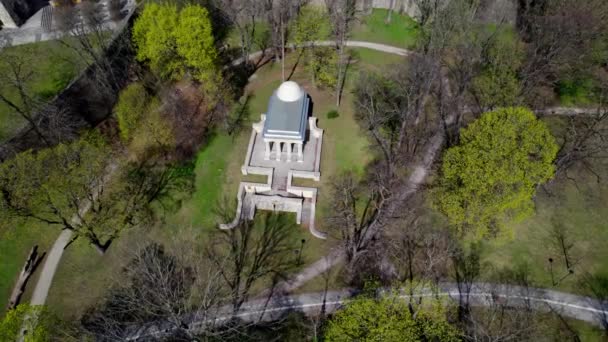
33	323
492	175
78	186
498	84
312	24
130	108
154	39
391	318
175	41
196	44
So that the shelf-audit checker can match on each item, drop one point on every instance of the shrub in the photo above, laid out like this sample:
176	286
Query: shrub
332	114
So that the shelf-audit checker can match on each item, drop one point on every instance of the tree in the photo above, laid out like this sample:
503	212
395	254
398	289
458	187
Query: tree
242	15
16	77
312	24
252	253
492	175
174	42
156	289
354	208
196	45
37	323
154	39
390	318
77	186
130	108
498	84
342	17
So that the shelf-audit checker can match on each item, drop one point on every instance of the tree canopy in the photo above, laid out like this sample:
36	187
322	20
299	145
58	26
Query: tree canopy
390	319
492	175
174	41
39	324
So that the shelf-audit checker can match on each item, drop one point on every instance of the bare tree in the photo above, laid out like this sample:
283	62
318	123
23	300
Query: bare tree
253	253
354	208
16	78
278	15
584	145
596	285
158	292
342	14
243	16
560	36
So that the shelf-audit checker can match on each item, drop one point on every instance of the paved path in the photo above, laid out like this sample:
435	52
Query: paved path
582	308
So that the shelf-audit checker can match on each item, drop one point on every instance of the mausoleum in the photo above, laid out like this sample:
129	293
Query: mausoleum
285	144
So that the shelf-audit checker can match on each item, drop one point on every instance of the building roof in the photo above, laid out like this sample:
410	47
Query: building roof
287	113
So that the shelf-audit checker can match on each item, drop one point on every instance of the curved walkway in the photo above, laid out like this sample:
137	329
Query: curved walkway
582	308
322	265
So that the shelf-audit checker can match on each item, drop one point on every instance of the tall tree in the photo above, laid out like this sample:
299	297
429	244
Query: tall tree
156	288
492	175
342	14
253	253
76	186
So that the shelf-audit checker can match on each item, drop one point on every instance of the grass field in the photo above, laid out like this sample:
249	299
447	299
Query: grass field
49	67
83	275
402	31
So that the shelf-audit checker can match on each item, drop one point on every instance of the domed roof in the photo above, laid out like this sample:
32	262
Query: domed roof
289	91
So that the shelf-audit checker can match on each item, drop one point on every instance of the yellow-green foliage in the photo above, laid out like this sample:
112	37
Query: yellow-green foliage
154	39
130	108
173	41
322	66
37	321
389	319
312	23
492	175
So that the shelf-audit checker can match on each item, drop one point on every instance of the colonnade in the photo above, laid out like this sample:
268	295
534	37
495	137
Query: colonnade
279	145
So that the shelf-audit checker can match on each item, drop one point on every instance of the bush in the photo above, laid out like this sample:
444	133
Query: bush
130	108
332	114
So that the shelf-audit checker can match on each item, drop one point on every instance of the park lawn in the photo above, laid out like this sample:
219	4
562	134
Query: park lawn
14	248
53	66
582	211
83	276
402	31
581	208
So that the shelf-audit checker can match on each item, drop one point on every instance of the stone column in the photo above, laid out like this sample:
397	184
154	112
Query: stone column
289	152
267	150
278	149
300	155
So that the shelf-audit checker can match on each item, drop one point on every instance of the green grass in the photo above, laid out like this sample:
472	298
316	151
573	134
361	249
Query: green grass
402	31
576	92
52	67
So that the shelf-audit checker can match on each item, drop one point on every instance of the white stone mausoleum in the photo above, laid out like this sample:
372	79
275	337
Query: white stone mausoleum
284	145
